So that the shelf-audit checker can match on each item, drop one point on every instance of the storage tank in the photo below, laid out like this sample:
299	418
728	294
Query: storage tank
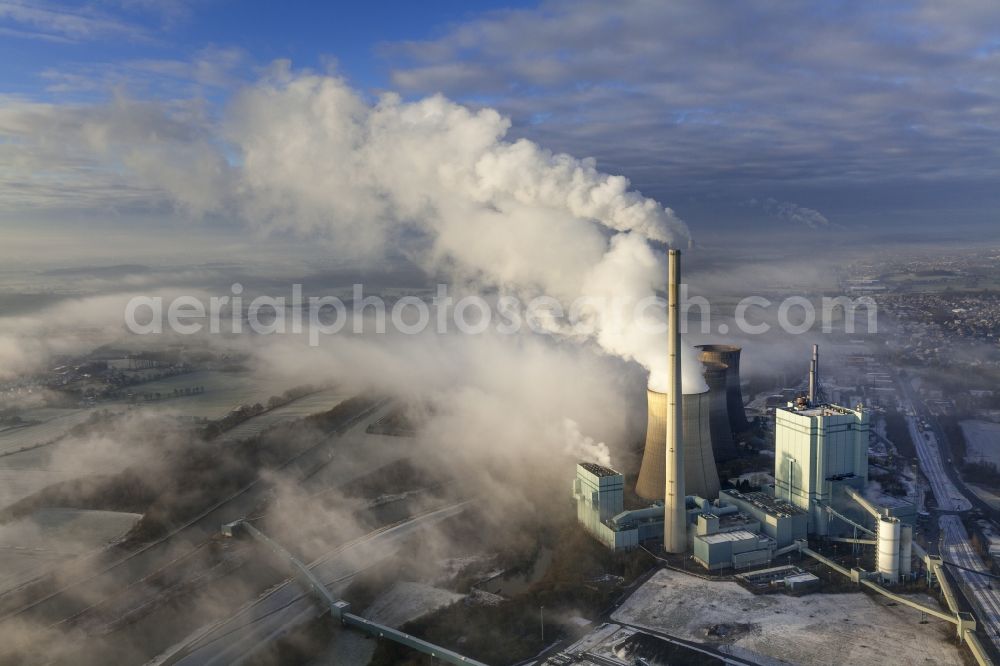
905	549
729	355
723	444
700	474
888	548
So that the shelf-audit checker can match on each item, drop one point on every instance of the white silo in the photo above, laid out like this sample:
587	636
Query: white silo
905	549
888	548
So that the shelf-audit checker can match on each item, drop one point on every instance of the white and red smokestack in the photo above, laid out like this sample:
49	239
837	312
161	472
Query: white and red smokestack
674	506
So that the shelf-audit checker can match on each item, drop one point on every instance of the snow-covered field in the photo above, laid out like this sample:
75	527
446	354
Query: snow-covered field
224	391
49	425
827	629
49	536
398	605
16	484
301	408
982	440
406	601
986	495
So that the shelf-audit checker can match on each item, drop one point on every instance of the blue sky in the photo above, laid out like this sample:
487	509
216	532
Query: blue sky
310	34
760	115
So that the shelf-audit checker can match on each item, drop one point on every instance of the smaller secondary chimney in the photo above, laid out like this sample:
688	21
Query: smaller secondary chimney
814	376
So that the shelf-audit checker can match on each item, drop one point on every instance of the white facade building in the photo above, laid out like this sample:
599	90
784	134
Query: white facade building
818	448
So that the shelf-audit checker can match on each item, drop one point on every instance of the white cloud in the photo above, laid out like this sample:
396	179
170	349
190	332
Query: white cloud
58	23
713	97
431	180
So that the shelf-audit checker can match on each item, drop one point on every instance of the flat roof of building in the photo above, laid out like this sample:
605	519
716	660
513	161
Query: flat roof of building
736	535
733	519
598	470
819	410
765	502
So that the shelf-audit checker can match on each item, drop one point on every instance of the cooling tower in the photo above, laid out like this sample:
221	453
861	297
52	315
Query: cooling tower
729	355
723	444
700	475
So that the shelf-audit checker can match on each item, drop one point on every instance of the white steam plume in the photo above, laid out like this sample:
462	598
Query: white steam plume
584	448
437	181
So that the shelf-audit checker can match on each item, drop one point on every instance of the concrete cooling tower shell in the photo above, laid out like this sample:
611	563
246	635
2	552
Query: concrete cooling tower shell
723	444
729	355
700	475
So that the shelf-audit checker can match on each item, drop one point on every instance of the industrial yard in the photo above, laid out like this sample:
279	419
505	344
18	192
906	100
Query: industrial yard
814	630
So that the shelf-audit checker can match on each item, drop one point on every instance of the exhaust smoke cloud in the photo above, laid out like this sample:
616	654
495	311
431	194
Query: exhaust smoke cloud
439	184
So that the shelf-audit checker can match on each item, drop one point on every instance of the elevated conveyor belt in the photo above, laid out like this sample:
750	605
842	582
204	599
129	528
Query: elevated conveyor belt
833	512
947	617
864	542
865	504
964	623
339	609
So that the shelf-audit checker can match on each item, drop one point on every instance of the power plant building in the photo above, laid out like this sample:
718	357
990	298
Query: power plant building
821	484
819	449
739	549
781	521
736	531
599	495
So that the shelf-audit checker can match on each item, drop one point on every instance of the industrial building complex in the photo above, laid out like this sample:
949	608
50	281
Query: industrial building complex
820	475
820	488
820	472
821	464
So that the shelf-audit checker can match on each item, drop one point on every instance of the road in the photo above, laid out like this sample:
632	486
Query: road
287	607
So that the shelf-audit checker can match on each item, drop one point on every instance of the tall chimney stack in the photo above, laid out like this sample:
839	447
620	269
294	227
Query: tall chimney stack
674	507
814	376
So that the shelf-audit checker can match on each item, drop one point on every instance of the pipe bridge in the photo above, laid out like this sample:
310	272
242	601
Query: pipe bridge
833	512
340	609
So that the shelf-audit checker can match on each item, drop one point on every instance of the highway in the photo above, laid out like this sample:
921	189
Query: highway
287	607
952	498
948	497
978	589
